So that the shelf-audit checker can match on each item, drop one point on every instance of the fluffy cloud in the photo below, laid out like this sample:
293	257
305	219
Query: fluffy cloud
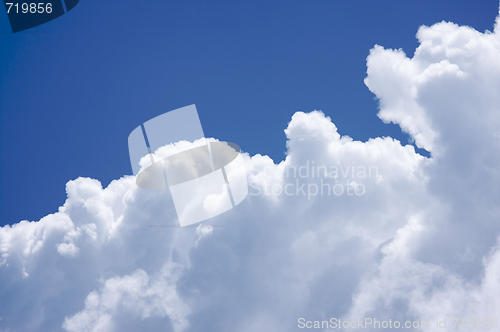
445	264
134	295
340	228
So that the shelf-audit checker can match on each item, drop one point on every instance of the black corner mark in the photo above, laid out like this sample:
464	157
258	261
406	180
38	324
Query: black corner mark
70	4
26	14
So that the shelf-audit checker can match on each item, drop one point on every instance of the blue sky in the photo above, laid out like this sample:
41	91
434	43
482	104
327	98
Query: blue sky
73	89
419	242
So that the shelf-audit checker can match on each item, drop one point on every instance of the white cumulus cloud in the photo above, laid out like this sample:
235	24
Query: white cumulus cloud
339	229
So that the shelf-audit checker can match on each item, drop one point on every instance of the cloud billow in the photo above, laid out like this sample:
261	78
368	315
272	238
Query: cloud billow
419	244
